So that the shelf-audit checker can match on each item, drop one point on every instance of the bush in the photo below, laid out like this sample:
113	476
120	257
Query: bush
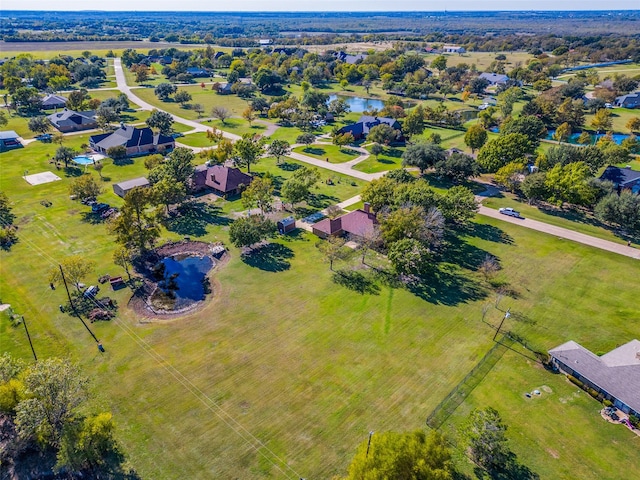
635	421
607	403
575	381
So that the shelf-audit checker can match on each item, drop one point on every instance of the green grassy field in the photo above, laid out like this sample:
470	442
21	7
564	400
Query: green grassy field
389	159
334	153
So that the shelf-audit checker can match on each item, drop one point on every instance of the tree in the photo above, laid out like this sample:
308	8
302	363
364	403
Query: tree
297	188
142	73
161	121
248	150
422	156
439	63
414	123
510	175
484	434
475	137
259	194
534	187
84	186
407	456
106	116
458	167
338	107
6	215
568	183
39	124
117	152
168	192
489	266
383	133
458	205
279	148
633	125
164	90
248	115
306	138
122	258
332	249
528	125
3	119
76	99
182	97
134	228
622	210
376	149
64	154
221	113
55	389
75	269
380	193
584	138
562	133
343	139
602	120
247	231
404	222
504	149
179	165
410	258
198	108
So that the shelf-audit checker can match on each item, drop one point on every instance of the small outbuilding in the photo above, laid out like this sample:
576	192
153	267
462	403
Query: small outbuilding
286	225
9	140
122	188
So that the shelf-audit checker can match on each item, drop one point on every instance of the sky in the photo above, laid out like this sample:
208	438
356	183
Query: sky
322	5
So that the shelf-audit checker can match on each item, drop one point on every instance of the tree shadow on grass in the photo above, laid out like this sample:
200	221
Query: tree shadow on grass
512	470
289	167
321	200
490	233
192	219
356	281
121	162
314	151
92	218
464	254
448	286
272	257
71	171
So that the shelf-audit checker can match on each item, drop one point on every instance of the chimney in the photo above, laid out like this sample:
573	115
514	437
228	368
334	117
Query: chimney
335	225
367	207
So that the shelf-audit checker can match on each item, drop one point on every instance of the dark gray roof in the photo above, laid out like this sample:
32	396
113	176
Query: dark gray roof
129	136
617	372
135	182
53	101
495	77
8	135
72	118
630	99
620	176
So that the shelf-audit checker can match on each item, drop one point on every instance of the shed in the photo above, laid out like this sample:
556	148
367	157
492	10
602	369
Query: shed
286	225
8	140
122	188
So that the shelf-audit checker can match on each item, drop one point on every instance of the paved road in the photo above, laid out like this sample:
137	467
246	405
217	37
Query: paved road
127	90
564	233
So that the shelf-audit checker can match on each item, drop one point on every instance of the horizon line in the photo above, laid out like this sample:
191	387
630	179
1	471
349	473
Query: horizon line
5	10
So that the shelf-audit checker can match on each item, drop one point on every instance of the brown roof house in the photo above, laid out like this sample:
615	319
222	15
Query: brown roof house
358	223
222	180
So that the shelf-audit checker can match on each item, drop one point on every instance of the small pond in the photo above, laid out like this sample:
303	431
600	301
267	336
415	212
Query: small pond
617	137
359	104
182	281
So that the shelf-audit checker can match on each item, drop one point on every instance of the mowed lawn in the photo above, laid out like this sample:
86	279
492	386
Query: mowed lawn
323	151
283	373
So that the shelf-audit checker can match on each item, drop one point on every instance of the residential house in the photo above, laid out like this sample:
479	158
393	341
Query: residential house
615	375
71	121
361	128
122	188
137	141
495	78
9	140
453	49
198	72
221	179
53	101
630	100
351	59
622	178
358	223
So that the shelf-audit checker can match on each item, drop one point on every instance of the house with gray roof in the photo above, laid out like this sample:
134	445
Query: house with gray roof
137	141
630	100
53	101
615	375
71	121
365	123
9	140
494	78
350	59
622	178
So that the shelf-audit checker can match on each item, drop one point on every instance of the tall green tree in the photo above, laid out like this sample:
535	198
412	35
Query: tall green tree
64	154
75	268
602	120
458	167
422	155
135	228
622	210
248	150
504	149
84	186
247	231
484	434
414	122
161	121
332	249
279	149
259	194
168	192
383	133
475	137
39	124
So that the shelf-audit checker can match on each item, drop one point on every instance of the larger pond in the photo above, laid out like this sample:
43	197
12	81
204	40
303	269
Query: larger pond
184	281
617	137
359	104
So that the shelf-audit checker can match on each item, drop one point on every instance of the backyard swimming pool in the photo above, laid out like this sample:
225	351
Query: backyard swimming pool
83	160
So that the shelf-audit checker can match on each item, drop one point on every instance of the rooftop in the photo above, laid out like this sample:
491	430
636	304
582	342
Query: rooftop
617	372
620	176
8	135
135	182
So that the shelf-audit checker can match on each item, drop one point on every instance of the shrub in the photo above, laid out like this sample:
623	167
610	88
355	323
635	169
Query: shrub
575	381
635	421
607	403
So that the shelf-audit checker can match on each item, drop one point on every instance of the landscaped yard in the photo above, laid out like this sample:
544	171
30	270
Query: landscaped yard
390	159
334	153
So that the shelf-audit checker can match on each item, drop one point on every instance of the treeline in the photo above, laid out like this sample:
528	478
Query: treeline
62	37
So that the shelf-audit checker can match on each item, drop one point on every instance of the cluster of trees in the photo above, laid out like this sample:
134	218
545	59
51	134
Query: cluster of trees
8	234
414	219
418	456
46	409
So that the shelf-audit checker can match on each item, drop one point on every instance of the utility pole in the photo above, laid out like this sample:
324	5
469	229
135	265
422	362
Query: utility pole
24	322
507	314
369	442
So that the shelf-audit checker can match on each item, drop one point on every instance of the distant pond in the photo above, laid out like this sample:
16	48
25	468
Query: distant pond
617	137
359	104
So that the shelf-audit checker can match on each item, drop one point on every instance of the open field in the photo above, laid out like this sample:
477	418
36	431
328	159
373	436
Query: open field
47	50
333	153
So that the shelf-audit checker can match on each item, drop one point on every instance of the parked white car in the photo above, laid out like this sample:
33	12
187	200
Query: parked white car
509	211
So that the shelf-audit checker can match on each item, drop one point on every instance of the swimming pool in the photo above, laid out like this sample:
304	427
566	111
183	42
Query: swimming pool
83	160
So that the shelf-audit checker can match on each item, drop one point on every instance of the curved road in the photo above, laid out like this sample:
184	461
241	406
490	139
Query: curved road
346	169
